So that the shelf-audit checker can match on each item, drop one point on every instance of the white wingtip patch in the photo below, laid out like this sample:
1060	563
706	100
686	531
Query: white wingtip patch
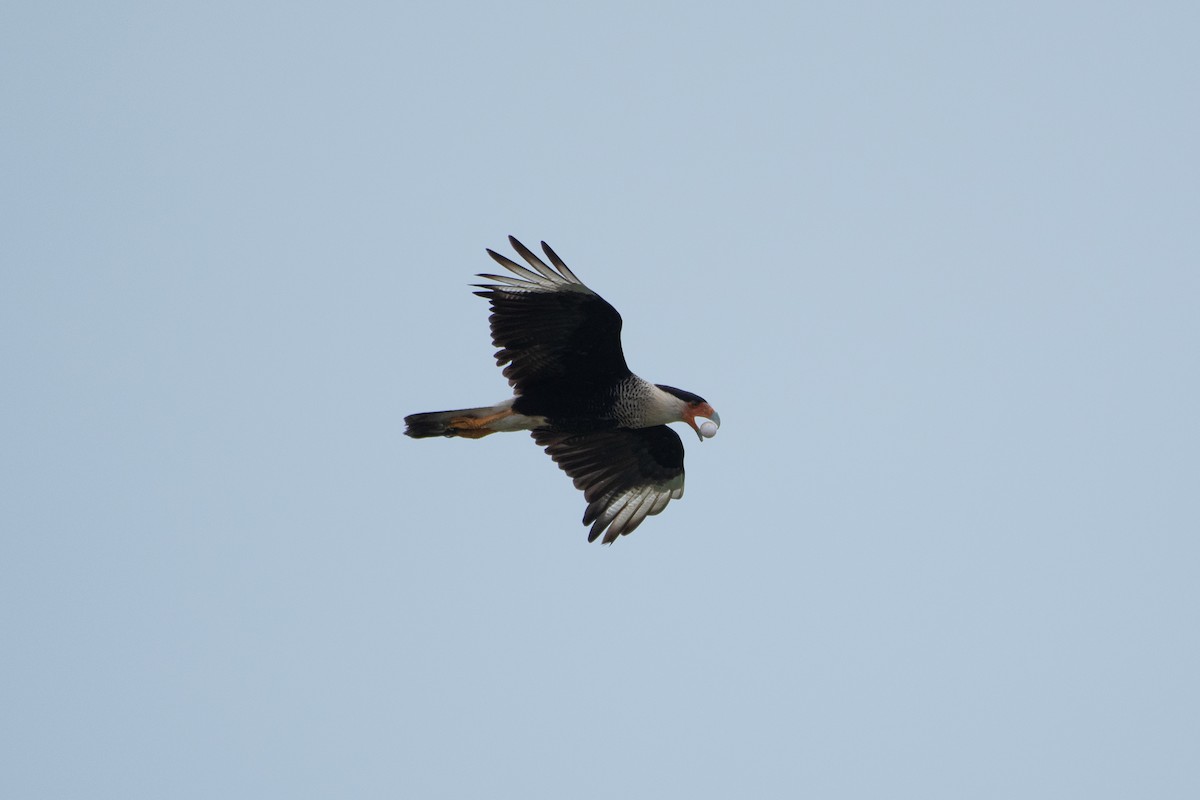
544	279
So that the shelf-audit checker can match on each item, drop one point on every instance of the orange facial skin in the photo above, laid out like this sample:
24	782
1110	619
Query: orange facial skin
700	410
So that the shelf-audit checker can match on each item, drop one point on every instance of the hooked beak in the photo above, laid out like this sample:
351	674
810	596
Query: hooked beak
705	411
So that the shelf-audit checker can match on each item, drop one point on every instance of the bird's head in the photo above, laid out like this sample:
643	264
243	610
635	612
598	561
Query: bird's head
696	407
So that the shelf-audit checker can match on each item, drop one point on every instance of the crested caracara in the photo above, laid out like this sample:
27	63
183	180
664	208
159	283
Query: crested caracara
560	346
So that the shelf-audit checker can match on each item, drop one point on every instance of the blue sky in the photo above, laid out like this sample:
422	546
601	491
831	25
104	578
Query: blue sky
935	265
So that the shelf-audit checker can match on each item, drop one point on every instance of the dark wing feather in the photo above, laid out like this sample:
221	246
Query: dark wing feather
626	474
550	328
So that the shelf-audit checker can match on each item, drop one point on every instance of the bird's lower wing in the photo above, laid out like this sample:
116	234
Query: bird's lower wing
625	474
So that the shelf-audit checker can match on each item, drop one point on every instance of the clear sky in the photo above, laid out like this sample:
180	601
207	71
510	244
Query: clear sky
935	264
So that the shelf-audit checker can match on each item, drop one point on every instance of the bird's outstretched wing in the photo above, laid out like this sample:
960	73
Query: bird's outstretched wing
551	329
626	474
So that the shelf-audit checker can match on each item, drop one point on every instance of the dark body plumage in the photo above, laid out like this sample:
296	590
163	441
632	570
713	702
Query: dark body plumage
560	347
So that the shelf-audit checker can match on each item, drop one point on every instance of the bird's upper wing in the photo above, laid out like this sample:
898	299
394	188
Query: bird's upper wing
626	474
550	328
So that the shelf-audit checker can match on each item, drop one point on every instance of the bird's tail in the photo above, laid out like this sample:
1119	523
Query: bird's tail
470	423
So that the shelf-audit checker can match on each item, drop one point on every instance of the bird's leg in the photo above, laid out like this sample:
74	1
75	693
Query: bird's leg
478	433
475	427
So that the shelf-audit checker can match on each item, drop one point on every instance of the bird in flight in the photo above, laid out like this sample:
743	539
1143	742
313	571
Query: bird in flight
560	346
